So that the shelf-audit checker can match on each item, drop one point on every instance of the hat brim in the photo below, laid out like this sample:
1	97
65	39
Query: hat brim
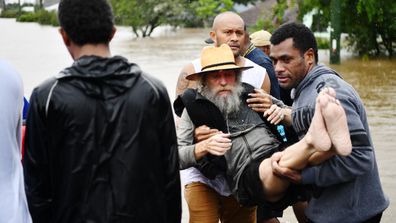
198	75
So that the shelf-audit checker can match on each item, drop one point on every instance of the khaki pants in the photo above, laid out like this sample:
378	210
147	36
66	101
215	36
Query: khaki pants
207	206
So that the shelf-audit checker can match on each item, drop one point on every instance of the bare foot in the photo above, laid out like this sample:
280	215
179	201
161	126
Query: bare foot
317	135
335	121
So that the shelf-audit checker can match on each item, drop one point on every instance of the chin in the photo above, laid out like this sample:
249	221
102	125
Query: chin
285	86
236	53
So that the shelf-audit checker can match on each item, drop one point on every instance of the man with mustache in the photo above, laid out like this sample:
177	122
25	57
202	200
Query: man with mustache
345	189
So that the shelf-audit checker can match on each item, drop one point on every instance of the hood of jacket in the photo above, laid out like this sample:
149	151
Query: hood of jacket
101	77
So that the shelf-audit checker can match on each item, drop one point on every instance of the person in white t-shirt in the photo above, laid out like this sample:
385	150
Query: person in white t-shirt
13	205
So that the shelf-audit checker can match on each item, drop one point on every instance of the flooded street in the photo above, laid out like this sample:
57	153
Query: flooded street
37	52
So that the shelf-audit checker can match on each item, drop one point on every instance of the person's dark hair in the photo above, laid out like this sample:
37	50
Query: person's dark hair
302	36
86	21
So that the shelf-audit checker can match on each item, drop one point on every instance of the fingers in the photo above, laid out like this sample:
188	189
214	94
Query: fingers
259	101
275	114
219	144
286	173
204	132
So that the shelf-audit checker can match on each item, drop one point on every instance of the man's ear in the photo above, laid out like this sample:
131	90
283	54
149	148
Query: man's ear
65	37
212	35
310	55
113	31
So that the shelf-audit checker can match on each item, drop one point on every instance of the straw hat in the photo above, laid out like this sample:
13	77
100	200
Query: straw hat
260	38
215	59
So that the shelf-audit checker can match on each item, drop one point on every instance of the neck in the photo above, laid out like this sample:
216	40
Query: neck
310	67
240	61
248	49
100	50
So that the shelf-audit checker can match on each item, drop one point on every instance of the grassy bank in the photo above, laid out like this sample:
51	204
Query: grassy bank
41	16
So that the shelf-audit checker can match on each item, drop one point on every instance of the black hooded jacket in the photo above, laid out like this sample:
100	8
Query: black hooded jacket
101	147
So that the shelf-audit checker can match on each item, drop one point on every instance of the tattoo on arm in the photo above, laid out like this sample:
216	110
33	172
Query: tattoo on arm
182	83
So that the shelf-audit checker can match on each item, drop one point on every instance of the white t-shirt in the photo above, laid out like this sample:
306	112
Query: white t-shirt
254	76
13	205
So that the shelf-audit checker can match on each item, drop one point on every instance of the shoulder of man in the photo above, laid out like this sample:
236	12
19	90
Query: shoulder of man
44	87
259	57
182	82
155	84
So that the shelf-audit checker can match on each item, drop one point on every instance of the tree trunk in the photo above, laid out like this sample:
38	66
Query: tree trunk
3	5
388	44
134	29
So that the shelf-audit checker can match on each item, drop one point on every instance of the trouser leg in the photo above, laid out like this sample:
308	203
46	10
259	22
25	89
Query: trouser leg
203	203
233	212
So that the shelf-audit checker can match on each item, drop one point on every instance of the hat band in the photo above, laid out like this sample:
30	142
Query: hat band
217	64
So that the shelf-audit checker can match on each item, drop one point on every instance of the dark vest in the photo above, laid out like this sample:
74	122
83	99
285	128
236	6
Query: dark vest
204	112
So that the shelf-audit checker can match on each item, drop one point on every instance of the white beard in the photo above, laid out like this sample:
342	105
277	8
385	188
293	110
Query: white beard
228	105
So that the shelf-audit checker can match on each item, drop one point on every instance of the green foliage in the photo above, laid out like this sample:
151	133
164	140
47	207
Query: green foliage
370	24
262	23
279	10
323	43
28	17
11	13
43	17
206	10
146	15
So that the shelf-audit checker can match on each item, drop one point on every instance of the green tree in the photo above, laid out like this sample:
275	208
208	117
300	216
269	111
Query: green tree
146	15
206	10
370	24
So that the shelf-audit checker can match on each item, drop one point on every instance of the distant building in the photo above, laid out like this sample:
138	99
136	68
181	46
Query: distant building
257	11
263	10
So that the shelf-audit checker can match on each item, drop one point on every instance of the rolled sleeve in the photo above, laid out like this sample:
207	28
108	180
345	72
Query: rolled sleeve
185	140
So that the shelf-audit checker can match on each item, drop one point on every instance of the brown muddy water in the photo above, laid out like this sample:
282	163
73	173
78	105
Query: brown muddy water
37	52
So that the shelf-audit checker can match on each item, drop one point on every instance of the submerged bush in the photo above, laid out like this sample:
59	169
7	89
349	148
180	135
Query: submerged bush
42	16
9	14
323	43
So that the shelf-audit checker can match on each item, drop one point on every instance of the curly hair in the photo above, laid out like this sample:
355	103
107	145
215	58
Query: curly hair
86	21
303	38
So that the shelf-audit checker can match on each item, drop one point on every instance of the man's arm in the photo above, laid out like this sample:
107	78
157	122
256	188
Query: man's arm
182	82
266	86
274	109
36	159
189	151
170	160
185	140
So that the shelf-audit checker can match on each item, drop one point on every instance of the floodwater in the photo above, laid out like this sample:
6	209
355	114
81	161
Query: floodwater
37	52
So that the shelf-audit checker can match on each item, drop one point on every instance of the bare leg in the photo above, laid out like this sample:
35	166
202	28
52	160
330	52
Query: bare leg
335	121
295	157
329	129
329	116
317	139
